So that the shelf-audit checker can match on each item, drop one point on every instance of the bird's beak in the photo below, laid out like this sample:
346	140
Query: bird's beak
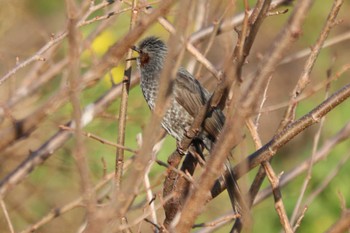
131	59
136	50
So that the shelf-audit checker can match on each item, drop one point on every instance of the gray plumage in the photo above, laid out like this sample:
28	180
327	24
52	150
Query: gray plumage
188	95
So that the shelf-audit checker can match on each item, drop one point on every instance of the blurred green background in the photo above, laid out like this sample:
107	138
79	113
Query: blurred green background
26	25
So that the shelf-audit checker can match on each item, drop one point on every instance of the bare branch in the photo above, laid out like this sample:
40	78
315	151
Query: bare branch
7	217
233	123
99	139
304	79
342	224
37	157
322	153
119	160
53	42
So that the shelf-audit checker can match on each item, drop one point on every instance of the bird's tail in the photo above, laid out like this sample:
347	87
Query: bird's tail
238	202
232	188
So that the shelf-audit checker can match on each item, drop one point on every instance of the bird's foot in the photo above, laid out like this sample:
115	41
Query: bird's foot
179	149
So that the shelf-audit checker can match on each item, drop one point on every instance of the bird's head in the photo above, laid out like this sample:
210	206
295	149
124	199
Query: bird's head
152	52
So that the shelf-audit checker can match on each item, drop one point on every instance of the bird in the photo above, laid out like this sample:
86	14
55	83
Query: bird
187	94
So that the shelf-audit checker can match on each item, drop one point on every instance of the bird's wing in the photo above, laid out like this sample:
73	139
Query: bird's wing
190	94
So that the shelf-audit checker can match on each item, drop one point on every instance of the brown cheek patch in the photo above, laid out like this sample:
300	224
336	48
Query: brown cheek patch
144	59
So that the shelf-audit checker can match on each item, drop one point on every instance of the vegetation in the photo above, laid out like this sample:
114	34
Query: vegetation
77	140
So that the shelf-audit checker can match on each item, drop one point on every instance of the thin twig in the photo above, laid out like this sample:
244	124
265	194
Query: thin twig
305	52
29	86
218	221
332	174
7	216
157	228
304	79
149	193
309	172
321	154
119	159
314	89
298	222
175	170
342	225
269	149
274	180
227	25
37	157
99	139
314	116
193	50
325	183
253	128
38	55
78	202
142	217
